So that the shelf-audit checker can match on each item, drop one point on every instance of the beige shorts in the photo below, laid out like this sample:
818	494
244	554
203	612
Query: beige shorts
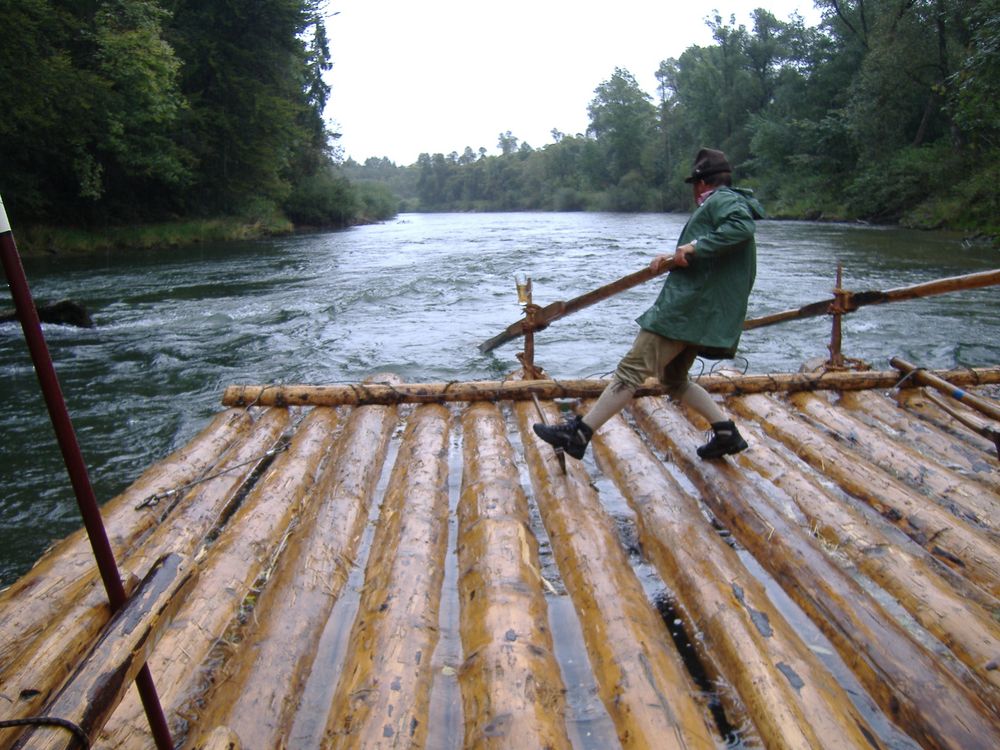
653	356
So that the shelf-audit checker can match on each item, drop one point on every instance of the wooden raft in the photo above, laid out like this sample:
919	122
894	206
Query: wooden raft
416	571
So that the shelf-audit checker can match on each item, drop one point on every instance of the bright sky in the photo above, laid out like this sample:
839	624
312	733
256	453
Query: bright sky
439	75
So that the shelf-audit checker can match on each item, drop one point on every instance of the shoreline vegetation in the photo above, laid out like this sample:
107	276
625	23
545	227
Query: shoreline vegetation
68	241
170	114
52	241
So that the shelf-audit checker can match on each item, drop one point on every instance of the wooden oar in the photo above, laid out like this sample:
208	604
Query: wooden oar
855	300
982	405
552	312
967	421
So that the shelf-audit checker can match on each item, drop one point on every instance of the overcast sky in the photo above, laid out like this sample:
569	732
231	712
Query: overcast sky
435	76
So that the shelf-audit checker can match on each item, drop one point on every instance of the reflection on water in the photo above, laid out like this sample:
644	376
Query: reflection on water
414	296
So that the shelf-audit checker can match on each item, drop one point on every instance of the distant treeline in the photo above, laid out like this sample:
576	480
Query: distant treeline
887	111
134	111
122	112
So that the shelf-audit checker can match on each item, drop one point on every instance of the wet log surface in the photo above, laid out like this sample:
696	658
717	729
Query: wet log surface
99	683
837	583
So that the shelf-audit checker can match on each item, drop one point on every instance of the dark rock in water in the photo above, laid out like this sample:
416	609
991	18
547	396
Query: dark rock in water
64	312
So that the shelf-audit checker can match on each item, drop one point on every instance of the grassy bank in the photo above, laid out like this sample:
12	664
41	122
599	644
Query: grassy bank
47	240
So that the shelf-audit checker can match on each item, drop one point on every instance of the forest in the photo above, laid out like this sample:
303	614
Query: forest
888	111
142	111
136	111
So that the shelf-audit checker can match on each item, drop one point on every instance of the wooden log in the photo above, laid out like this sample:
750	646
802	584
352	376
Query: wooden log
969	421
512	692
951	615
949	539
32	676
220	738
962	497
917	401
518	390
307	581
855	300
640	678
243	551
915	691
383	695
99	683
66	571
928	438
982	405
787	692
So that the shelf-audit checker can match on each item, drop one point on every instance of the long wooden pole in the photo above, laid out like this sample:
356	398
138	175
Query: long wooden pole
76	467
854	300
556	310
524	390
981	405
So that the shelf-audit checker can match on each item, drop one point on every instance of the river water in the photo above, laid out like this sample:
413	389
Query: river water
414	296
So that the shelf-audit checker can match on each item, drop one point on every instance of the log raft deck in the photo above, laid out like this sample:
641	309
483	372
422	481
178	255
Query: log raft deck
399	565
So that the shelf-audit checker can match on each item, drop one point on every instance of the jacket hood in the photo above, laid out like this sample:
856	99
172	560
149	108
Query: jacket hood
753	204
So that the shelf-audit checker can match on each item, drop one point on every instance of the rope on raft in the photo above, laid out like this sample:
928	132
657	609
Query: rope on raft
49	721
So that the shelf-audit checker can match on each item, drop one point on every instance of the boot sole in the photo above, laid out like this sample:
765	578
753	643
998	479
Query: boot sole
728	451
572	451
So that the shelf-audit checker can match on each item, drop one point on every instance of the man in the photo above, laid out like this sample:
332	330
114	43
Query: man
700	310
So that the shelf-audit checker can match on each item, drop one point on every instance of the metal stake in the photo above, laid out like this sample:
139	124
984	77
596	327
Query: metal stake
73	458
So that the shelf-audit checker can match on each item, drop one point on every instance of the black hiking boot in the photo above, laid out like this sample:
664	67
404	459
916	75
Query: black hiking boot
726	440
573	435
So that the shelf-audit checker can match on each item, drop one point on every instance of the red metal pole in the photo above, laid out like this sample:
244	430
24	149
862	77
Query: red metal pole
73	458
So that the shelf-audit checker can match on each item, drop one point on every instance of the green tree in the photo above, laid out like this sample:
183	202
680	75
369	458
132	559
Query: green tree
90	100
135	150
622	118
246	76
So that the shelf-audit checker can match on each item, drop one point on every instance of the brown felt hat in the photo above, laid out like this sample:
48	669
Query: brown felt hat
708	162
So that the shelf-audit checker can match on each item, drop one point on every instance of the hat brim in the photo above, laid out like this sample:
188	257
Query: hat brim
701	176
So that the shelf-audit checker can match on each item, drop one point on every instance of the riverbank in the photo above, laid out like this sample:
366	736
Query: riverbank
40	241
48	240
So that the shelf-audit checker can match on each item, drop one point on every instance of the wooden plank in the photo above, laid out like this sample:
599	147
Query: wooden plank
243	550
949	539
912	687
66	571
306	582
640	677
99	683
383	696
512	691
518	390
947	611
787	692
35	673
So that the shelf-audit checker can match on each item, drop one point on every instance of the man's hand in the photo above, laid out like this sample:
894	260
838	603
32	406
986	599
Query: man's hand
682	255
661	263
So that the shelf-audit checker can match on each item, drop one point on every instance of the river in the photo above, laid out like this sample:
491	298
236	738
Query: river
414	296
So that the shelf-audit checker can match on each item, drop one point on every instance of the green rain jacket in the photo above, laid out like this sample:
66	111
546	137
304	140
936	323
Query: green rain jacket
706	302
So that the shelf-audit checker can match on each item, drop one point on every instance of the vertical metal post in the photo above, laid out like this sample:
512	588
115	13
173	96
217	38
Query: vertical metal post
527	357
24	305
837	309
